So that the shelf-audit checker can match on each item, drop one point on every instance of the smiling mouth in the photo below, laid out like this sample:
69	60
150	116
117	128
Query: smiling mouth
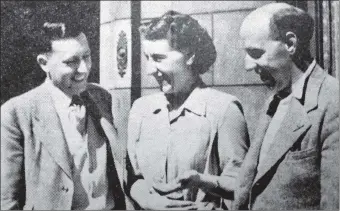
163	80
79	78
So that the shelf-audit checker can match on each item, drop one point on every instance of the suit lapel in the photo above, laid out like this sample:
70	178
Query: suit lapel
313	87
49	129
295	123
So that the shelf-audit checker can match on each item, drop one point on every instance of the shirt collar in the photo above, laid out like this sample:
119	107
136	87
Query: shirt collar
60	99
297	87
194	103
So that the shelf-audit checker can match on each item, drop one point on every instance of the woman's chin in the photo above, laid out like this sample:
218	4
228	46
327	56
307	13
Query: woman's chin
167	89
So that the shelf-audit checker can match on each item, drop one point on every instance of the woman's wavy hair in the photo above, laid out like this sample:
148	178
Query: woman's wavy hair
183	33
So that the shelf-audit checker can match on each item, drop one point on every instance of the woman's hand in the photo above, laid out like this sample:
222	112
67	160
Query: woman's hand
188	179
149	199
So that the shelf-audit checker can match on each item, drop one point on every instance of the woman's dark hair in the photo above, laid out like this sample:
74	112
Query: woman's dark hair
183	33
51	31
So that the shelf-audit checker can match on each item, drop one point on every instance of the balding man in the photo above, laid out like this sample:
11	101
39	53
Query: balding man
293	161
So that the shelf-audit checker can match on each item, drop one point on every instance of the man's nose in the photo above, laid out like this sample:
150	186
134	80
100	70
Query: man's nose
83	67
250	63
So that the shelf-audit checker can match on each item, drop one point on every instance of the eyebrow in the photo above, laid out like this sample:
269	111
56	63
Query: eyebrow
86	53
70	59
156	55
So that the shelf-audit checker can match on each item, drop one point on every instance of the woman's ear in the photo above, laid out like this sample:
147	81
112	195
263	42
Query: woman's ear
291	42
42	61
191	60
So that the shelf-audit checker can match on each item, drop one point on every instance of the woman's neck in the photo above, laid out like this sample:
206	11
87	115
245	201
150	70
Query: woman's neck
176	100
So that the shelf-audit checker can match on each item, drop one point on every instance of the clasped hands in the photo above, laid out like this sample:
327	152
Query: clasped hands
169	195
188	179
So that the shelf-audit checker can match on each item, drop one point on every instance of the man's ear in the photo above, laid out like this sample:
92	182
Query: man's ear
42	61
191	60
291	42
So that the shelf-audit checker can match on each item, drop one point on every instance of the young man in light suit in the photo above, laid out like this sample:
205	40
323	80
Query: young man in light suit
293	161
58	141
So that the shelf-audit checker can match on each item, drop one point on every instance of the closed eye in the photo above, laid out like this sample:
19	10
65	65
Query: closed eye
255	53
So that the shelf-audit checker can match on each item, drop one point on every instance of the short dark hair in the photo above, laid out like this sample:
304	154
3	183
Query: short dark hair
297	21
183	33
51	31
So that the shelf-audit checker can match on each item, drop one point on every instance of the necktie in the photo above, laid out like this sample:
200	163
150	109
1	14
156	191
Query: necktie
77	113
276	101
76	100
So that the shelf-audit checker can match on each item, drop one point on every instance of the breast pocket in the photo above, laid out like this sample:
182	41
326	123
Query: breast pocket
299	155
302	165
299	176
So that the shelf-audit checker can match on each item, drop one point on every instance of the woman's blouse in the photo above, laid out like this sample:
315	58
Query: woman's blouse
208	135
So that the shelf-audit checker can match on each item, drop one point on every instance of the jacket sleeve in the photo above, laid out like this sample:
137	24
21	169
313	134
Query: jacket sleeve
134	124
330	158
233	143
12	159
232	146
133	172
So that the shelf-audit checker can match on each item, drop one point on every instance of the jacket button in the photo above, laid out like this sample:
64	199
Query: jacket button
64	189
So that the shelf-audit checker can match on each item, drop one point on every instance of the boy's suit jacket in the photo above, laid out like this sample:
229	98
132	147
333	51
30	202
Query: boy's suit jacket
36	167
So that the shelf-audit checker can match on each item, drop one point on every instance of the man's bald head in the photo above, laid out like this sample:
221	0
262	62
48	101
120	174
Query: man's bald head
277	19
260	19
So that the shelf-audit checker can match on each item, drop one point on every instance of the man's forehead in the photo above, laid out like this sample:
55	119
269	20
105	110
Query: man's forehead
258	21
256	27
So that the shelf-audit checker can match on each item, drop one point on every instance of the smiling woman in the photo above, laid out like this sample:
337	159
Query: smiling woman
186	143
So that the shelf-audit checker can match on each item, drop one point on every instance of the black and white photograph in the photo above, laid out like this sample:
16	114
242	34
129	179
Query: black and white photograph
170	105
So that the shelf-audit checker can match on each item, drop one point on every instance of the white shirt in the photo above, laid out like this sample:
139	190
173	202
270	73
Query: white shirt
90	180
275	124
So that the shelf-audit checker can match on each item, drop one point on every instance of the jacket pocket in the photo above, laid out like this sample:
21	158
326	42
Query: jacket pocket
298	155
